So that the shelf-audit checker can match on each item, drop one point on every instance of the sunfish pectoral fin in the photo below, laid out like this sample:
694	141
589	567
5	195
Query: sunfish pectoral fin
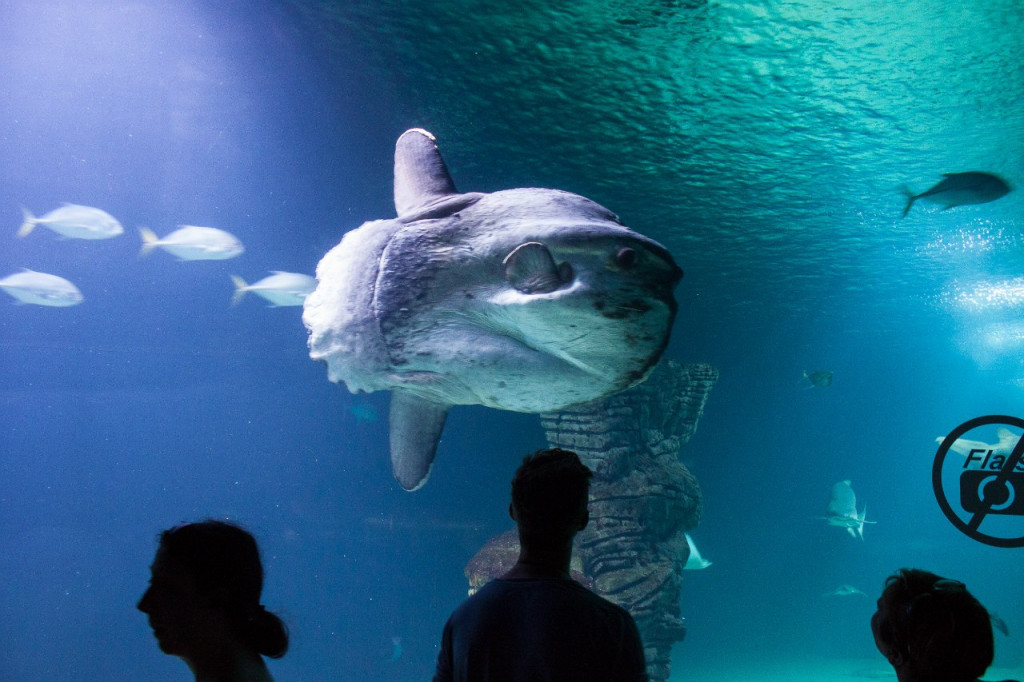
415	425
531	269
421	176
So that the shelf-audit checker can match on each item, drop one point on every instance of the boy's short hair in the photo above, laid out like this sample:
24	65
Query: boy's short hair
943	632
549	493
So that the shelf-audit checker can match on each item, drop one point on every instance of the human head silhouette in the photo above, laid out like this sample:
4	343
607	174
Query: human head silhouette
203	600
931	628
549	496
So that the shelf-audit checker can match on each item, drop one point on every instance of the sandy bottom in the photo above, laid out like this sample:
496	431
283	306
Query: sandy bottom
805	670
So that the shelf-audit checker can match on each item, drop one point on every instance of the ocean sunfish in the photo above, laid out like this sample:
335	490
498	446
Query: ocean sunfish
959	189
41	288
73	221
528	300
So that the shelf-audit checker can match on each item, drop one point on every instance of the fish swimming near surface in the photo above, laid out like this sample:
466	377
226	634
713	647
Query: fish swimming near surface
817	378
1002	447
959	189
526	299
40	288
73	221
844	591
842	510
191	242
280	288
694	561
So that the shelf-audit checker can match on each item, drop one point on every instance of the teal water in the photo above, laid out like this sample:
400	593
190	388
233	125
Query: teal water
765	144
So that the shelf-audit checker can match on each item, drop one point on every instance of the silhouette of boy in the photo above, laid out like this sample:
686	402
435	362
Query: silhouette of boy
931	629
536	624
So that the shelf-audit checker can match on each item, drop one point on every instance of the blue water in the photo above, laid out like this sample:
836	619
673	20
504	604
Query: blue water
765	145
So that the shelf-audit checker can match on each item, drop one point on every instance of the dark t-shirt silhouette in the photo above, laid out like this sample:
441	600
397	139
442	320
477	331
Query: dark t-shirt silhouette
539	630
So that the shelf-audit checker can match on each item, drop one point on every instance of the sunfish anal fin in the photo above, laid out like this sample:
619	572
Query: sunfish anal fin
415	425
421	176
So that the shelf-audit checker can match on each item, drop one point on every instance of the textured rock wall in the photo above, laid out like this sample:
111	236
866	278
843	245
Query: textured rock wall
642	498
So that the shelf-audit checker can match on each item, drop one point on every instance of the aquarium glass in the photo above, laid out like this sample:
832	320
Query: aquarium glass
771	147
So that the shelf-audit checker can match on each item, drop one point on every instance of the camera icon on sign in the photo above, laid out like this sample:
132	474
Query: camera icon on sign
983	492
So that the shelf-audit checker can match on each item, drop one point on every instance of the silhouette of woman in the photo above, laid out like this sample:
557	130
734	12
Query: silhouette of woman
203	603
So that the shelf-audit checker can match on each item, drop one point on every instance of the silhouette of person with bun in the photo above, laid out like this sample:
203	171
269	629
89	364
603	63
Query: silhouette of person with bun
203	603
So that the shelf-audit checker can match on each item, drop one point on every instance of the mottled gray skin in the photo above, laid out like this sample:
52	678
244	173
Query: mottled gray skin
525	299
959	189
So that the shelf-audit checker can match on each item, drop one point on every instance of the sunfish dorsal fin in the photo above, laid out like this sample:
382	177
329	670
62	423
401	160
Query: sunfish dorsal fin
415	426
421	176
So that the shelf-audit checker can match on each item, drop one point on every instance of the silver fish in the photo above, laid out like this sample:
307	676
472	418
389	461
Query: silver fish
821	378
280	288
959	189
74	221
191	242
40	288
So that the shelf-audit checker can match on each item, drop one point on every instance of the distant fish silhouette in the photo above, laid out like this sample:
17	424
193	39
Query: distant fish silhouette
817	378
998	623
844	591
842	510
694	561
958	189
74	221
396	648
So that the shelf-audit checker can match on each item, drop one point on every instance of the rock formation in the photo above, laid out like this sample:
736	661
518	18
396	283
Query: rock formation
642	501
642	498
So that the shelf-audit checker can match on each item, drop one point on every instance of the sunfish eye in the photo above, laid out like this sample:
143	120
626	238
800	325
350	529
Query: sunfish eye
625	257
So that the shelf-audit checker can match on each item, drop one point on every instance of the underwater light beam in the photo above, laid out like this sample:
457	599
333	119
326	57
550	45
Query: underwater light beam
988	295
